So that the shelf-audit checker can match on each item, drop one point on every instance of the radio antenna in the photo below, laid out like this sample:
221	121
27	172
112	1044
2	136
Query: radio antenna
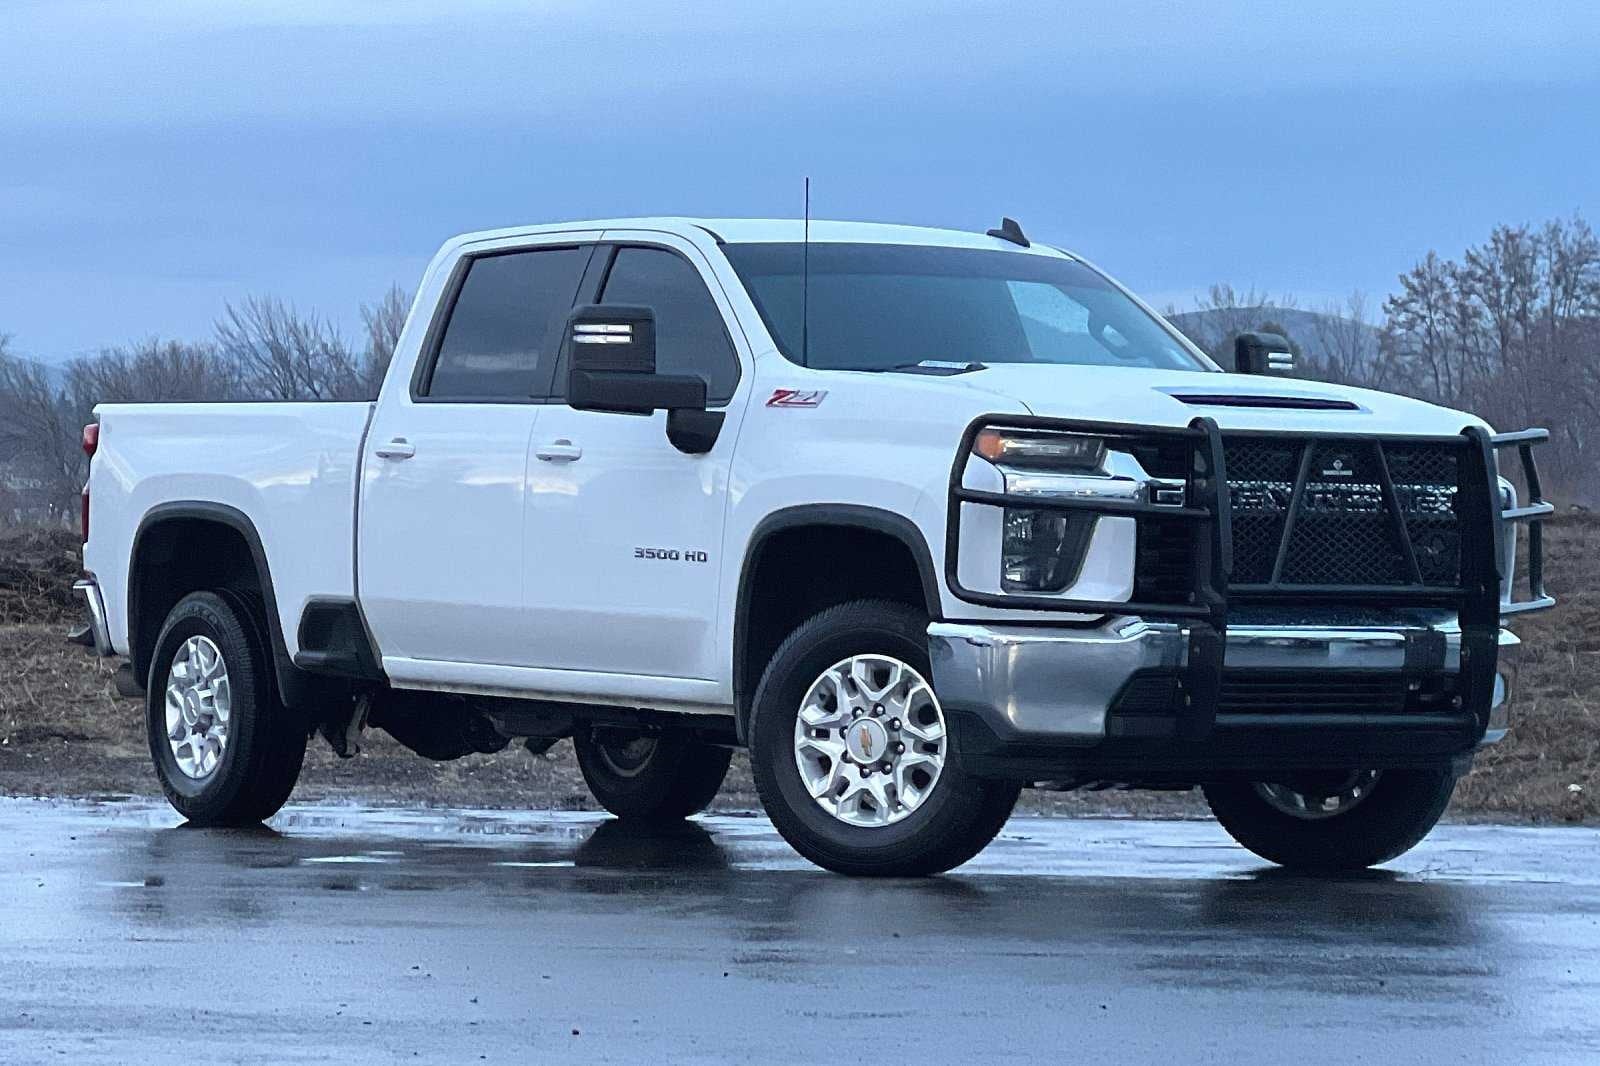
805	280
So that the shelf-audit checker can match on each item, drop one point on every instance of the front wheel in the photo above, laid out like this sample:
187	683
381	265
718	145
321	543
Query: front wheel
656	778
1345	820
852	756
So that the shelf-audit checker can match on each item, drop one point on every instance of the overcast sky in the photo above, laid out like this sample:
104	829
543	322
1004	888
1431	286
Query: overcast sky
159	158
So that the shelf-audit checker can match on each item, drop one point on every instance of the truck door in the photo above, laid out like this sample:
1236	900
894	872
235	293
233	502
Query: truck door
624	530
445	472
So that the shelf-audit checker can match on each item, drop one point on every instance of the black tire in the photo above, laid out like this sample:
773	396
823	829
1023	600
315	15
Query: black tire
663	778
266	741
959	817
1400	809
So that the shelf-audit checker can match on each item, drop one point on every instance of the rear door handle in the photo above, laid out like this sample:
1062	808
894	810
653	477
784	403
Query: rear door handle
399	448
559	451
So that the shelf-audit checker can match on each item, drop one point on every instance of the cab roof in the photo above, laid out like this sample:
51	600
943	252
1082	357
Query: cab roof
767	230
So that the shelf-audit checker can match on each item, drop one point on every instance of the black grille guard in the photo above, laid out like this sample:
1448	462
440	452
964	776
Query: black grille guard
1209	592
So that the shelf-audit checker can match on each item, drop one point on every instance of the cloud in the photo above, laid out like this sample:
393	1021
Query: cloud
162	156
191	60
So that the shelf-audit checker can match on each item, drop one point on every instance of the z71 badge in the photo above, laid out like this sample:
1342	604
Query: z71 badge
797	397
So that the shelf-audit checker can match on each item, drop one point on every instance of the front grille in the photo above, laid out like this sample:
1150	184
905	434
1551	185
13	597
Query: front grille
1164	563
1151	703
1344	513
1311	692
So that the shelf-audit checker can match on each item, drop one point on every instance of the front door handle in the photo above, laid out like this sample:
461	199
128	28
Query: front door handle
399	448
559	451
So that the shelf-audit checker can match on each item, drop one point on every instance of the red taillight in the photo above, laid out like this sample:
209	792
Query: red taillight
91	444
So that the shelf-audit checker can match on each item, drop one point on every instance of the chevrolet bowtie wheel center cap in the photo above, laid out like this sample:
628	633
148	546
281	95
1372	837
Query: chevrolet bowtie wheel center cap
868	741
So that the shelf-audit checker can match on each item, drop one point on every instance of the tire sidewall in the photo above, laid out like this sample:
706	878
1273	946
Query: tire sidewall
680	777
1402	808
205	614
777	707
643	788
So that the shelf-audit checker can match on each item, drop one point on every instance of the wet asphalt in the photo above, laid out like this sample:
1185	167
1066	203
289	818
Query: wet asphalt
351	935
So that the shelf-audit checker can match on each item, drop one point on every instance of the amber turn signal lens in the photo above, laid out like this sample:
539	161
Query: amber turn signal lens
1040	451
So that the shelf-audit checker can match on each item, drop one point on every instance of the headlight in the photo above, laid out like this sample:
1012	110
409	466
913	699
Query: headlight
1040	451
1042	551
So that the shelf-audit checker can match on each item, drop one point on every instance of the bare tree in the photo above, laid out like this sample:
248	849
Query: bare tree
1512	332
1346	344
39	433
384	321
1419	322
153	370
285	355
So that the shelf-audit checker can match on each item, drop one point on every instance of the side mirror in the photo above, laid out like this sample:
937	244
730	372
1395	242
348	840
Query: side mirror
1262	353
610	354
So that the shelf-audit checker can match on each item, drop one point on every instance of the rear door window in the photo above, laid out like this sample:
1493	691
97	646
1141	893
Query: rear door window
500	342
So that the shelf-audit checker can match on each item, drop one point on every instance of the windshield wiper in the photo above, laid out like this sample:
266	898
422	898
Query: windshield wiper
936	367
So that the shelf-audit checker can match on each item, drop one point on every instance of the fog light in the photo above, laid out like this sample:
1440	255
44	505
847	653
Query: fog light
1042	551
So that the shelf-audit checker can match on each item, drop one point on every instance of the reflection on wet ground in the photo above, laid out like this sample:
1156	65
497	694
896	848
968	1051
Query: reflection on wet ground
345	934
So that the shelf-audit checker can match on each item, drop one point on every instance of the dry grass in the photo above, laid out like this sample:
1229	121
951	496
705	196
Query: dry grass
62	732
1548	768
37	569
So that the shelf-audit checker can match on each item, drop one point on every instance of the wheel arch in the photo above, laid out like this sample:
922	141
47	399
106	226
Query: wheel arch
237	546
889	538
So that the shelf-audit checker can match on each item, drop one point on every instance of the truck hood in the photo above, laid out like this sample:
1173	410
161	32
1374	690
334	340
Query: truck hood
1235	401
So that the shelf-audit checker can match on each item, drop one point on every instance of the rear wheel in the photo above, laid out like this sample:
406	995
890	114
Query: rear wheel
226	750
1343	820
650	777
851	753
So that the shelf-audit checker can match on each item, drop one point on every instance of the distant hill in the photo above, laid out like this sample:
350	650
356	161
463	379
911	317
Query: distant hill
55	372
1309	330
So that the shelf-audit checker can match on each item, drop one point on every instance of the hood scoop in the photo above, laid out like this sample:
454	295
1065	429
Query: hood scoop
1260	400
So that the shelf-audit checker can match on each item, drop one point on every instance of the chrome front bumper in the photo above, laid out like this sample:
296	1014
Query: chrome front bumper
89	589
1057	684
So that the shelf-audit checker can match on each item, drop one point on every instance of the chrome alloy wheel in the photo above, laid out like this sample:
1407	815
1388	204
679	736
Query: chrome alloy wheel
1322	799
870	740
199	702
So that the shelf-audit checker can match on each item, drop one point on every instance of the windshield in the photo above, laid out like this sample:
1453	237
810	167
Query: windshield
881	306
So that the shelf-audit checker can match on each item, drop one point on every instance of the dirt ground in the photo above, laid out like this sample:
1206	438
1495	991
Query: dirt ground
63	732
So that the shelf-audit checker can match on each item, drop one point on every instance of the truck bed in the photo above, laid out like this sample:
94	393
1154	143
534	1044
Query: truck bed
289	468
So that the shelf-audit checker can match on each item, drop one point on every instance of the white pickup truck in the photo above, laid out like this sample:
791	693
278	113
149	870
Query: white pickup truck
919	517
